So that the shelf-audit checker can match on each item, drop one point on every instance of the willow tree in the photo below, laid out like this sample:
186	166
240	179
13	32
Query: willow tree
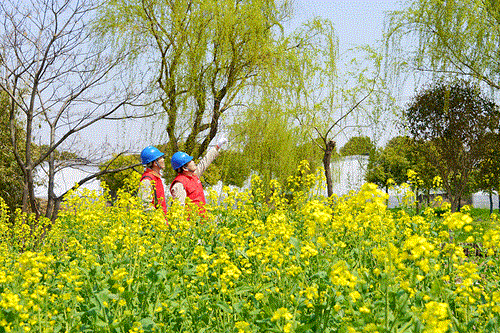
268	140
324	100
201	56
450	37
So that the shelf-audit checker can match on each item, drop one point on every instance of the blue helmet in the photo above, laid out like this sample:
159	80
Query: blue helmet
180	159
150	154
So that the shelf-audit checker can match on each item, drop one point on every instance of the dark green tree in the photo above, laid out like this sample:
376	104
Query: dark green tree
455	119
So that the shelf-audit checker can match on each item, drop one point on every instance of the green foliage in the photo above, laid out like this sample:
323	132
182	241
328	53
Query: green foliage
488	172
117	180
269	143
233	167
11	181
58	155
454	121
358	145
487	176
389	163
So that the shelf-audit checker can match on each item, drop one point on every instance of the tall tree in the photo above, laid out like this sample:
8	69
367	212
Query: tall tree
450	37
325	101
456	120
60	80
202	55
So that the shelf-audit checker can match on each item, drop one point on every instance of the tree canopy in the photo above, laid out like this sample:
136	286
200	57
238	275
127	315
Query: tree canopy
456	119
390	163
358	145
269	142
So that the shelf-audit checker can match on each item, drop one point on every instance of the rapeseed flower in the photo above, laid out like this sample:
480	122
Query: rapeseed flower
250	260
436	317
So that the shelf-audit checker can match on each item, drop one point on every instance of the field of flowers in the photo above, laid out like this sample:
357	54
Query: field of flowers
296	262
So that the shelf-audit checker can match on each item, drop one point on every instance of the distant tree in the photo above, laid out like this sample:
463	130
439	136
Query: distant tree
453	37
456	120
203	56
425	170
390	166
60	80
376	171
358	145
391	163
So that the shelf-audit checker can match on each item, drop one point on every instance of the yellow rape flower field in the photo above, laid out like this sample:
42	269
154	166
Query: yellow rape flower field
294	262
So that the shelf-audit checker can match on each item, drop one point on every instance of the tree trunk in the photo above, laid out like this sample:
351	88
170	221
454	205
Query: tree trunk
29	200
417	199
458	204
51	196
490	195
56	205
327	157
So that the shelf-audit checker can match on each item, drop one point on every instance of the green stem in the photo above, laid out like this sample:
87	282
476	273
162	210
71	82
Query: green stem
386	307
399	312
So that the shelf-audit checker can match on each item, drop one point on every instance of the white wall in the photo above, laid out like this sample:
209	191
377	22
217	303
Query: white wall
66	179
348	174
482	200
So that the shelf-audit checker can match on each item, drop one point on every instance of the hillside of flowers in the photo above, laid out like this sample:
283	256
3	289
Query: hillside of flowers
291	261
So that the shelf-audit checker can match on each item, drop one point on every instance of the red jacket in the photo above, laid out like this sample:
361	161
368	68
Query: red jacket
194	189
159	193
